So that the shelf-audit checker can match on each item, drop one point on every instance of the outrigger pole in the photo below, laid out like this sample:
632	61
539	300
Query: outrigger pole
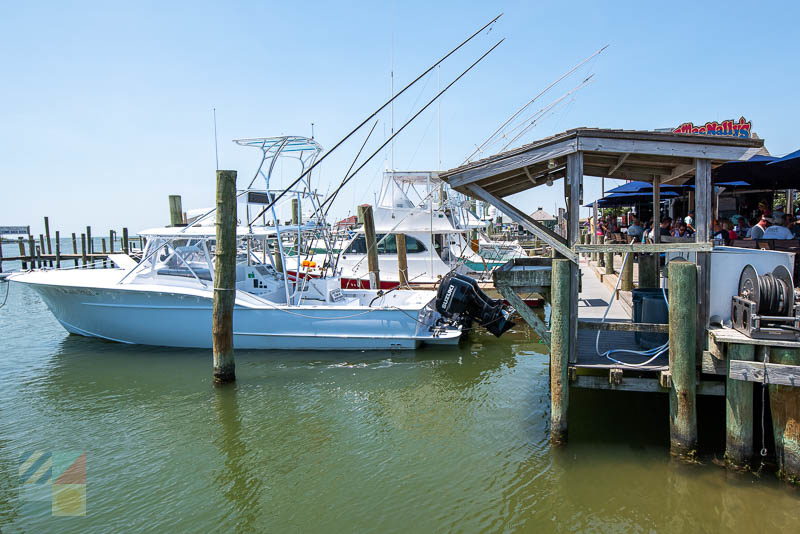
365	121
409	121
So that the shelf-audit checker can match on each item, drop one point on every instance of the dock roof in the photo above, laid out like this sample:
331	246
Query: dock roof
622	154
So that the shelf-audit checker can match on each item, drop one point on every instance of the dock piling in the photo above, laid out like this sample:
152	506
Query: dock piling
175	210
83	249
560	334
626	284
648	278
58	249
125	248
75	248
609	258
738	411
784	402
224	279
682	358
21	243
365	215
47	235
402	259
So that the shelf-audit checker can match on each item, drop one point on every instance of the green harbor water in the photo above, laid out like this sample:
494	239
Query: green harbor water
428	441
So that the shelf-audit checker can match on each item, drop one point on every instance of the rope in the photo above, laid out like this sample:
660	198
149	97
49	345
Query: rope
653	353
763	406
5	298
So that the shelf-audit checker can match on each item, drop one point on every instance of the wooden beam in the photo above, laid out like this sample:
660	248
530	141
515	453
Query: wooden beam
619	163
677	172
545	234
623	327
644	247
526	313
647	385
666	148
574	183
784	375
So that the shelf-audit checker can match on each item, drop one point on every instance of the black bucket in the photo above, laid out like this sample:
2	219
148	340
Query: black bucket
649	306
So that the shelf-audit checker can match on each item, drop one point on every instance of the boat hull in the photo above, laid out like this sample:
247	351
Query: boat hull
184	320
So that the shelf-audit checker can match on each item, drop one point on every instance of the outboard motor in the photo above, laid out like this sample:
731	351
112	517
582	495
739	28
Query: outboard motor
460	297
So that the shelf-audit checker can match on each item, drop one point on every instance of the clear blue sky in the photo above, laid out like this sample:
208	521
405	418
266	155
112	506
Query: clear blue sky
107	105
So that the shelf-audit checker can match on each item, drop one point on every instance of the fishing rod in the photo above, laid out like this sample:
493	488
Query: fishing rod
409	121
544	110
365	121
353	164
531	101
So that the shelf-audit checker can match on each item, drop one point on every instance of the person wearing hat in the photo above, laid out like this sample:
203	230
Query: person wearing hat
778	213
778	230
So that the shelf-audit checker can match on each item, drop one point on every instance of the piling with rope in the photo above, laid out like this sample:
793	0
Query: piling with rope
402	259
224	370
784	402
738	411
560	334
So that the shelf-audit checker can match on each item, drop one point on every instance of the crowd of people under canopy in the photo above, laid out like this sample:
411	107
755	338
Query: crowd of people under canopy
770	224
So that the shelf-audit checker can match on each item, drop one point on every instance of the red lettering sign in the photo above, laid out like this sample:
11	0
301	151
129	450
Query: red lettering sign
728	128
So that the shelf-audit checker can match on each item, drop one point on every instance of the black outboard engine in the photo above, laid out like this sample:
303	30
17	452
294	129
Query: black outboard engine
460	297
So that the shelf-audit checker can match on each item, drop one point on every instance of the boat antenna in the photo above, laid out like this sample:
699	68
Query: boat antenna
531	101
216	143
373	114
409	121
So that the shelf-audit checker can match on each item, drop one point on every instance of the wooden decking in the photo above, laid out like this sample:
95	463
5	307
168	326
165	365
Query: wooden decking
592	304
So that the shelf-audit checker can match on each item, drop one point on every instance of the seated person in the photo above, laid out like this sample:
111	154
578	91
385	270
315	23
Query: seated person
635	229
720	234
681	230
665	227
777	230
757	231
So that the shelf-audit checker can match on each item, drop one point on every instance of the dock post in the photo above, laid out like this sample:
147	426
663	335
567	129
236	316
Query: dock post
224	279
89	242
295	211
1	255
75	248
365	215
42	250
47	235
738	411
58	249
175	210
22	253
682	357
125	248
609	258
103	243
647	271
626	284
784	403
402	259
111	241
559	349
83	249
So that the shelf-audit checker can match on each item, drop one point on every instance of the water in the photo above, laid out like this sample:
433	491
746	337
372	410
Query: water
436	440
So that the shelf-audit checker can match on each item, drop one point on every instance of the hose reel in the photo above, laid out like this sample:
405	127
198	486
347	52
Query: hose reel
765	306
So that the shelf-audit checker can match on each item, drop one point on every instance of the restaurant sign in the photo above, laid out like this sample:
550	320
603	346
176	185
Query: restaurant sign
728	128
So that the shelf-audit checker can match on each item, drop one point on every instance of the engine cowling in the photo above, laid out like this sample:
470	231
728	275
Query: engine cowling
460	297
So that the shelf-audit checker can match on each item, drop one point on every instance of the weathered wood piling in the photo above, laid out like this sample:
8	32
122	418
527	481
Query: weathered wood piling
784	401
402	259
224	370
175	211
560	337
682	358
738	411
365	215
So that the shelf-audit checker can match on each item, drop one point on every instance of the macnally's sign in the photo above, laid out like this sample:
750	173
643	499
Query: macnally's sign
728	128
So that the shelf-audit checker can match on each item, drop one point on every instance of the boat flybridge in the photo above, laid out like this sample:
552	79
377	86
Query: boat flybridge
166	297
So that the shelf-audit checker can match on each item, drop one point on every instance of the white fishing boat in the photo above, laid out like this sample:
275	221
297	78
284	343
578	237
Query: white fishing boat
437	226
166	297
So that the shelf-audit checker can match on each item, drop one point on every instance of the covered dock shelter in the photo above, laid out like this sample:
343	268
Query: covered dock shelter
658	158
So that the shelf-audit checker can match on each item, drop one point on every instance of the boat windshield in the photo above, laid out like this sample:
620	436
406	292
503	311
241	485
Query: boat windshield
184	257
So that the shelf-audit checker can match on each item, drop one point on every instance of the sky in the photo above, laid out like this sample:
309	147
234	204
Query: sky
107	106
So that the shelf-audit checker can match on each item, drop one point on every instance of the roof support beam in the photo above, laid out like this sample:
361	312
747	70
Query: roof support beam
545	234
619	163
677	172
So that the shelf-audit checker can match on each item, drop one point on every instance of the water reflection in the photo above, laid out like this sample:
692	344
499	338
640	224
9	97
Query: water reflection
237	479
